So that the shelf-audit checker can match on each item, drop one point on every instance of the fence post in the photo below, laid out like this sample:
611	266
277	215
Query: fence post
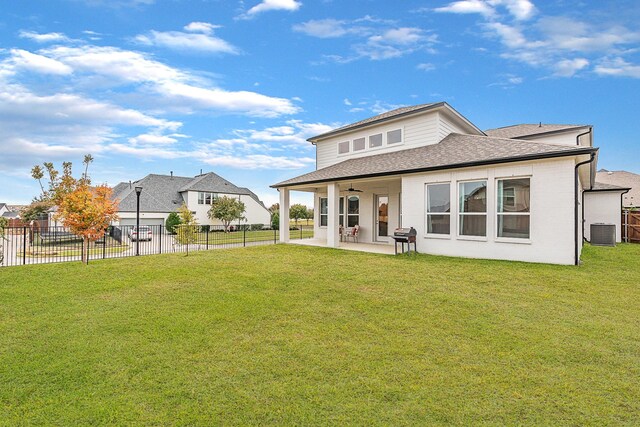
24	245
160	240
207	234
104	245
244	235
275	236
301	227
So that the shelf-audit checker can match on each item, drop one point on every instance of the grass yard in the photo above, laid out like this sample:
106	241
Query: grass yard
220	238
300	335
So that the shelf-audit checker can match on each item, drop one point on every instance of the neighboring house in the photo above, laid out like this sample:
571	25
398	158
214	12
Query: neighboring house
3	209
623	179
511	193
163	194
9	212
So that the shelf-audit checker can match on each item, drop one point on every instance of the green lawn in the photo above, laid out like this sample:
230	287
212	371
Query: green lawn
220	238
297	335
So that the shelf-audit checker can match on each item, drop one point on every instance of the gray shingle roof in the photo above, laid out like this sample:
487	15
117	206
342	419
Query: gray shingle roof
163	193
213	183
524	130
454	151
601	186
160	193
388	115
622	179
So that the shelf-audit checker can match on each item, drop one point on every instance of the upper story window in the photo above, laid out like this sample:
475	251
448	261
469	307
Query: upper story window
394	136
472	208
513	211
359	144
375	140
343	147
206	198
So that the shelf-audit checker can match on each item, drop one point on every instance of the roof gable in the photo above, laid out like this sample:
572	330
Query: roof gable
395	115
454	151
527	130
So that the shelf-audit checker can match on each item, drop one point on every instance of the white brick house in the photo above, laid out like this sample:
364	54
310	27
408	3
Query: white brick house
512	193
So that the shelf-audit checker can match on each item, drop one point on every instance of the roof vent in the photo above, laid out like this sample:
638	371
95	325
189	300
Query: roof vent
540	125
171	174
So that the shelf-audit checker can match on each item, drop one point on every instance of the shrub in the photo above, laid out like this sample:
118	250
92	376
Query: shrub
257	227
172	221
275	220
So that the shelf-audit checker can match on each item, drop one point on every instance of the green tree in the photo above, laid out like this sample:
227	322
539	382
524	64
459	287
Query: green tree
187	231
226	209
297	212
275	220
309	215
173	220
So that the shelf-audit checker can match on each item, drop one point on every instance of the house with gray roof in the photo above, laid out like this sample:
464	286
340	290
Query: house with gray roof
512	193
163	194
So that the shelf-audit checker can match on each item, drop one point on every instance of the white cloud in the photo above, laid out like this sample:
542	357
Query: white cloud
323	28
427	66
43	38
568	67
617	67
147	139
467	6
346	101
201	27
268	5
377	40
175	87
37	63
518	9
190	41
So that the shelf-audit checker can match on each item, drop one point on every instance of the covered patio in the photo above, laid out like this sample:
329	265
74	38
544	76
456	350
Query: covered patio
373	205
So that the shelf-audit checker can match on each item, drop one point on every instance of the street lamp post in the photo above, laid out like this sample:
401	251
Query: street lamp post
138	192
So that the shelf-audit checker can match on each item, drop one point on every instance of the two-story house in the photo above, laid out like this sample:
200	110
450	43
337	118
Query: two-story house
163	194
513	193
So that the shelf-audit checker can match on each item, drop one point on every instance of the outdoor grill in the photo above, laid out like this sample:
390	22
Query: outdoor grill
405	235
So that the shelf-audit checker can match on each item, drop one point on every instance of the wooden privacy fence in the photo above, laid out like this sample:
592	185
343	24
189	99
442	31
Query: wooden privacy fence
631	226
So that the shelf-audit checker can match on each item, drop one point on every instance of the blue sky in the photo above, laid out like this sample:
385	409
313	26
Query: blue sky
236	87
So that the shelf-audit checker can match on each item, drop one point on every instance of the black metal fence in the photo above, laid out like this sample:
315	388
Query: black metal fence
26	245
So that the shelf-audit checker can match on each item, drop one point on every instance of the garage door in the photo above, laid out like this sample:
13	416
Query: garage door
143	221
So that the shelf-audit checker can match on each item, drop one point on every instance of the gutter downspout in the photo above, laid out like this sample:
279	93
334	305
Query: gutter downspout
583	134
626	228
584	239
575	201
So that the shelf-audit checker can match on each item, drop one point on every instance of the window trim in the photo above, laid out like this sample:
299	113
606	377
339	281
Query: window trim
386	135
382	141
353	143
320	214
522	240
344	205
349	151
427	213
459	211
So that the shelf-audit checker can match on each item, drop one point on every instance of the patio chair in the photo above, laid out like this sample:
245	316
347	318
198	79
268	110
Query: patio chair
353	234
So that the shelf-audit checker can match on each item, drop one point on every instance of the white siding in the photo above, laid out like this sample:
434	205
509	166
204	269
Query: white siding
416	131
603	207
254	213
564	138
552	213
447	126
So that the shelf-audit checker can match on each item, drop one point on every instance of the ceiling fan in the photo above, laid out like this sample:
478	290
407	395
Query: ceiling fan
353	190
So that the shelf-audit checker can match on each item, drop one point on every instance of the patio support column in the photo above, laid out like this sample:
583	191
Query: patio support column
284	215
333	223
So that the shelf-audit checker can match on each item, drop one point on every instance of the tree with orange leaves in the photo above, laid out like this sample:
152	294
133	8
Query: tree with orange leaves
87	211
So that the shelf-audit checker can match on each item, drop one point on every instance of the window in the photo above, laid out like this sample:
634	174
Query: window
353	211
324	211
343	147
473	208
513	208
206	198
358	144
375	140
439	209
394	136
